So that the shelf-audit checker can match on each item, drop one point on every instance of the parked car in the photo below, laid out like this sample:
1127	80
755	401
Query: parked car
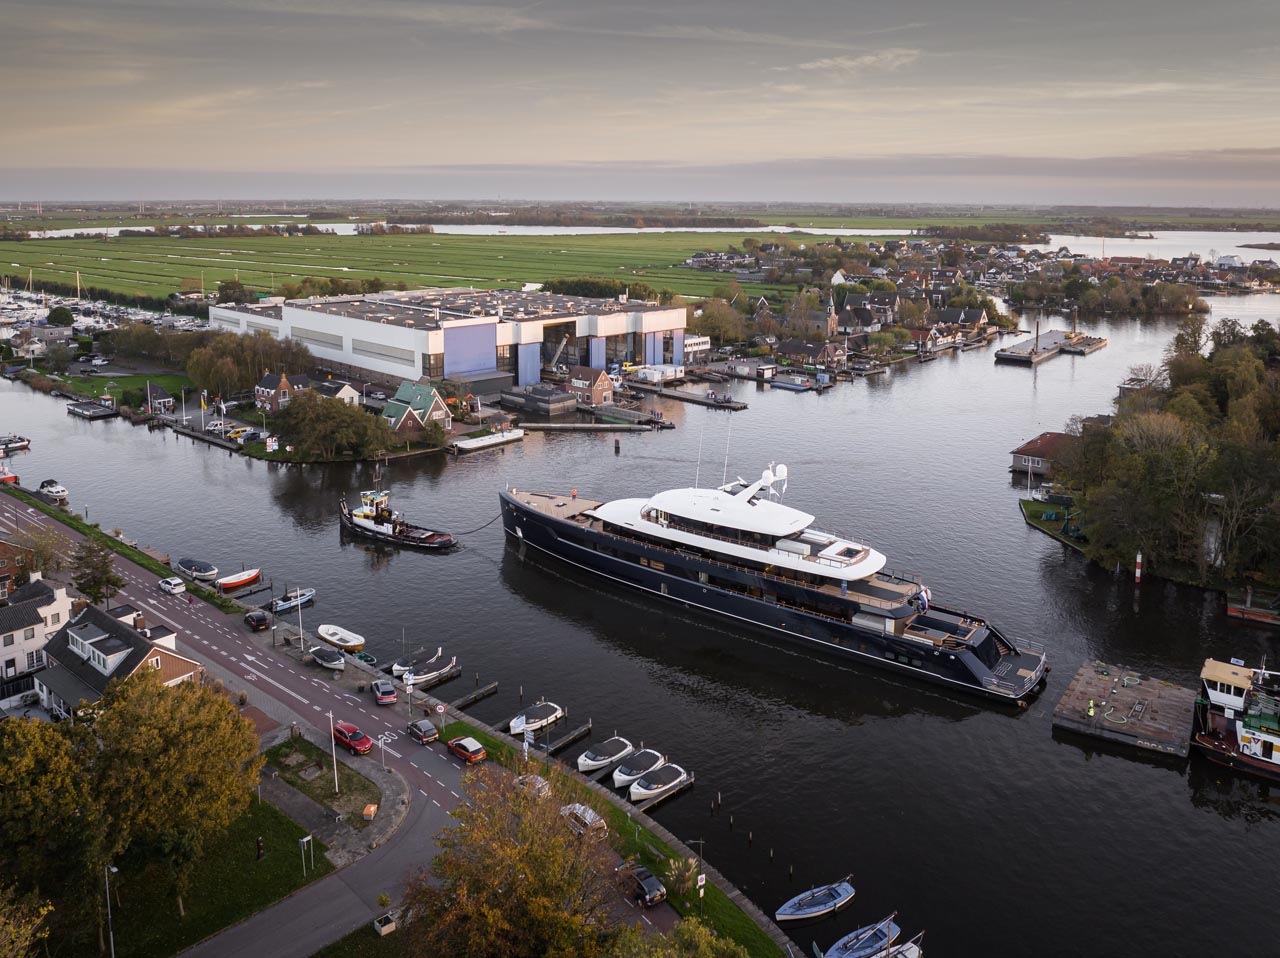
86	358
251	436
101	362
352	739
216	425
585	821
649	891
384	693
173	586
257	620
468	749
379	395
237	432
422	732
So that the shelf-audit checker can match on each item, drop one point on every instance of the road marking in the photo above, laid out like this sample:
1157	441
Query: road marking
159	615
267	678
425	795
646	919
454	794
413	763
433	801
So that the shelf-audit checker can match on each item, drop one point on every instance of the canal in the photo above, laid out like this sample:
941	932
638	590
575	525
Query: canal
974	822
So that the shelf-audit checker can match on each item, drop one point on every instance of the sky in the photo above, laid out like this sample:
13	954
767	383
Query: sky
1160	102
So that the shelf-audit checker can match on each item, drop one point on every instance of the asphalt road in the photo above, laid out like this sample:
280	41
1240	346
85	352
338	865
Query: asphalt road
326	910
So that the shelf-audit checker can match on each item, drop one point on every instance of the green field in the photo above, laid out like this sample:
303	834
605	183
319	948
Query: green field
157	267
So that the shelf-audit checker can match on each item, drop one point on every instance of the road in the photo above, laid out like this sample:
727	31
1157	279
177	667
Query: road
327	909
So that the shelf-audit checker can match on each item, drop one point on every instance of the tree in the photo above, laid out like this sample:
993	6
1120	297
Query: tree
58	358
61	316
511	881
49	548
21	923
691	939
93	571
233	291
177	764
322	427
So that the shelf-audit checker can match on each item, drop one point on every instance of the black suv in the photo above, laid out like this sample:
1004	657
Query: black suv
257	620
649	891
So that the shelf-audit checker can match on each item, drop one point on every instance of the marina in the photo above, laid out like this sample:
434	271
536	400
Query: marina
1120	705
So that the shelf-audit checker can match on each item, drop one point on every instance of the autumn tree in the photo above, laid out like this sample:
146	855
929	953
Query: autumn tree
93	570
511	880
690	939
181	760
22	925
322	427
49	548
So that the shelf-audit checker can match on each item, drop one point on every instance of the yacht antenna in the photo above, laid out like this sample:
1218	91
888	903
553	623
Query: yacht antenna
724	480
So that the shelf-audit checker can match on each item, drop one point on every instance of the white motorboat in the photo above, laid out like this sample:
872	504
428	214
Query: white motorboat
341	638
536	717
198	569
329	658
604	754
292	599
659	782
53	489
637	765
420	676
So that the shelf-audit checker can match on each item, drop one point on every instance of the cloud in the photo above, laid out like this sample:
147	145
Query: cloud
891	58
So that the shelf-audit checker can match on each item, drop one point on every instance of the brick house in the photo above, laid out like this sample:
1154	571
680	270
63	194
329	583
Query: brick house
29	615
93	650
275	389
412	407
592	387
15	561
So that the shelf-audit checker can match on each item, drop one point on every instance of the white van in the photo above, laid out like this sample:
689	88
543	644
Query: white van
216	426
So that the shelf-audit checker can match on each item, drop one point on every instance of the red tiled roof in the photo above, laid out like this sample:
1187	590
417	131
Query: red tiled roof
1045	446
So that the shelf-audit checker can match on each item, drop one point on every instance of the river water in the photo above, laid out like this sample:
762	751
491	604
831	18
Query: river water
977	823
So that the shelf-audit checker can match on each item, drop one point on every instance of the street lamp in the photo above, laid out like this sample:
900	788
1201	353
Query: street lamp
107	872
333	745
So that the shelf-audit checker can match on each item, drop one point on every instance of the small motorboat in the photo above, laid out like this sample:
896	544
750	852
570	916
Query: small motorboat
604	754
404	665
341	638
637	765
14	443
198	569
238	580
292	599
655	784
53	489
817	902
866	941
536	717
365	657
420	676
329	658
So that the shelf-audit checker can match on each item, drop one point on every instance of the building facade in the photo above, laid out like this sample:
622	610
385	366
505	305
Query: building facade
489	337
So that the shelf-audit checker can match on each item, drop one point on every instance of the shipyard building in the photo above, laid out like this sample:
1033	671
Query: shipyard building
488	339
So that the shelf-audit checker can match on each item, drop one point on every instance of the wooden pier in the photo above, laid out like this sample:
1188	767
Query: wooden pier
584	427
564	741
471	698
1120	705
688	397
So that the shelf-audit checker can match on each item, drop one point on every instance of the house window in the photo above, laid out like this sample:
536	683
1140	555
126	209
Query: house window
433	365
8	640
506	359
55	618
284	395
35	660
4	563
155	663
10	666
29	634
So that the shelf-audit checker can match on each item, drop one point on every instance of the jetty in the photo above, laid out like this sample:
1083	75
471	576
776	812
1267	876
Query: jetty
92	410
473	697
1129	708
688	397
584	427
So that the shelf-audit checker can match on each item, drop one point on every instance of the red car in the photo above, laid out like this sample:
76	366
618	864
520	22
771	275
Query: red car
352	739
468	749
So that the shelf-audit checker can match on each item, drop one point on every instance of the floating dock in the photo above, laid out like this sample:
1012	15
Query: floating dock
1047	345
90	410
687	397
584	427
1128	708
1084	345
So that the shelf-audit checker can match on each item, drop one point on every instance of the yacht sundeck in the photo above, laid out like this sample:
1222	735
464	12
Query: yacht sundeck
738	551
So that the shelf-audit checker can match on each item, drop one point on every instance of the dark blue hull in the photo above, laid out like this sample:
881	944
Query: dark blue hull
691	582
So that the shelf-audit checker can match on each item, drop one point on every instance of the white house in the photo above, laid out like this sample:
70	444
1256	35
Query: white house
29	616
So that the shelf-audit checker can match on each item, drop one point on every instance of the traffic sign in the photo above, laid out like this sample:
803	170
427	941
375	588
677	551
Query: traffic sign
440	709
702	880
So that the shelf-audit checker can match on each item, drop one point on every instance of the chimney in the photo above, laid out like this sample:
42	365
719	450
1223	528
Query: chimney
78	606
139	622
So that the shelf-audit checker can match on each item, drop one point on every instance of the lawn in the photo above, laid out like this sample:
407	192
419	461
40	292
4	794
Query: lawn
355	791
1034	513
117	384
229	885
364	942
634	839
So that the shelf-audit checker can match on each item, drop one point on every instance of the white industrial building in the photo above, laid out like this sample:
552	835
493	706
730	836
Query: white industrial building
490	338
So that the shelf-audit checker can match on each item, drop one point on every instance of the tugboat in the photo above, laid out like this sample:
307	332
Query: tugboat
376	520
14	443
1240	725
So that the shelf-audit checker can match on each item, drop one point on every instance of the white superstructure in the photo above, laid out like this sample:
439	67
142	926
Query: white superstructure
736	520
